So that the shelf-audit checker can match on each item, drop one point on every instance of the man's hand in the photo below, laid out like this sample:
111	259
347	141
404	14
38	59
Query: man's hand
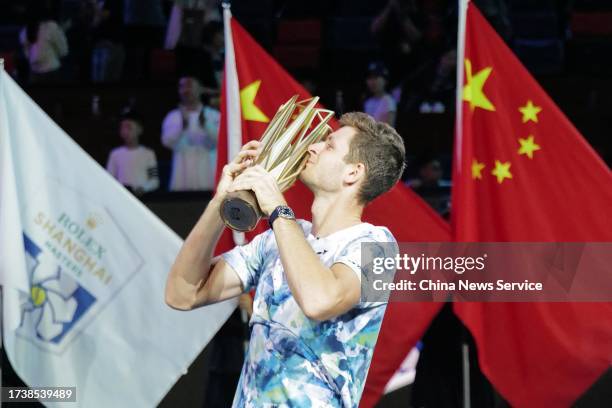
247	155
263	184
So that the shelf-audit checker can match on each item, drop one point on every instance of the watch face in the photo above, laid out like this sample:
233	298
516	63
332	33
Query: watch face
286	212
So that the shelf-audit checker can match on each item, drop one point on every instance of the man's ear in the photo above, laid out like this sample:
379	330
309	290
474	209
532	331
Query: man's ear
356	172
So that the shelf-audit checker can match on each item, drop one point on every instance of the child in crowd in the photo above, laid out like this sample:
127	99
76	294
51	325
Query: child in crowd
133	165
380	105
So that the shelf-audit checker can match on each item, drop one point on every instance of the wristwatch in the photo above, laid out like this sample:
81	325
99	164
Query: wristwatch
281	211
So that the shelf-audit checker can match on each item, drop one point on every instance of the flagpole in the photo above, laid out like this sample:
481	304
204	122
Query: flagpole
233	125
232	100
463	5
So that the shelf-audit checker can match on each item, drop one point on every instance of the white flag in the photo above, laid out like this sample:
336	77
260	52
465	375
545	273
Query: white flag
84	265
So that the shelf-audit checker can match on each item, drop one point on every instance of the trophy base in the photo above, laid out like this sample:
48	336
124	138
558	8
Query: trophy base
240	211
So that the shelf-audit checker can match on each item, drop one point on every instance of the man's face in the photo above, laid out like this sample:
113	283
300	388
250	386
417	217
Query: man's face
129	131
325	169
431	173
189	90
376	84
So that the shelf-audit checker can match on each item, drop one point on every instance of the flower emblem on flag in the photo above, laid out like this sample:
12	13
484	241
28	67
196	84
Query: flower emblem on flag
55	300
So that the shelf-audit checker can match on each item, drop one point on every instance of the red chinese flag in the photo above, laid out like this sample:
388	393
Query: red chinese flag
264	85
524	173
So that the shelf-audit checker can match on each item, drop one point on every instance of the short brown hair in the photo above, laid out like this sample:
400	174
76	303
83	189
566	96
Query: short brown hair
380	148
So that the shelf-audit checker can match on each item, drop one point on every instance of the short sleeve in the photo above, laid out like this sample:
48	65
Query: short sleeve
248	260
380	243
350	254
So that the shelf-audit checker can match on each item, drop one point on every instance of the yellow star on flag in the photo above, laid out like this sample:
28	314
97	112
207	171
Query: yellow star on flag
477	169
530	112
528	146
502	171
472	90
247	101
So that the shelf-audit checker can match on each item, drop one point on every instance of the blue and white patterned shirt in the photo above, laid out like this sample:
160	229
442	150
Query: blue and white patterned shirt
293	361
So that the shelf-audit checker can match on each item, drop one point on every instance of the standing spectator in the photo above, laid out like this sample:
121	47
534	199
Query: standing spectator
191	33
144	25
191	131
79	20
214	47
145	14
44	43
441	78
188	17
132	164
108	55
399	32
380	105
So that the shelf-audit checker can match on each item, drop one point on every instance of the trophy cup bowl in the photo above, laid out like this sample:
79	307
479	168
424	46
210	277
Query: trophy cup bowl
284	150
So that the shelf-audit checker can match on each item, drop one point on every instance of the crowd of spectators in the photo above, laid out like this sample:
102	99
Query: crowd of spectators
96	42
407	66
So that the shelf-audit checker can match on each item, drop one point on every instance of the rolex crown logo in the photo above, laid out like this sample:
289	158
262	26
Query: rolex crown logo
93	221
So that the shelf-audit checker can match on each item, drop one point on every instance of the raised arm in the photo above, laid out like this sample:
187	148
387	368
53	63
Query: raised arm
379	22
321	292
195	278
172	128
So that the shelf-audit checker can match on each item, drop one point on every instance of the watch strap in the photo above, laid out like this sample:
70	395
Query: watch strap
282	211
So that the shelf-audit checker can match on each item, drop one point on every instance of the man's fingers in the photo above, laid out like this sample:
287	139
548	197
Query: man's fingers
250	155
245	181
245	154
233	168
252	144
246	175
240	185
259	169
249	151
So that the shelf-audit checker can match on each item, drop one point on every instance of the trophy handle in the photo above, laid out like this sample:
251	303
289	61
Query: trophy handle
240	211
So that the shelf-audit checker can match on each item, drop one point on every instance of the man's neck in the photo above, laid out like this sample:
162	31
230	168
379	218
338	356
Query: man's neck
333	213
